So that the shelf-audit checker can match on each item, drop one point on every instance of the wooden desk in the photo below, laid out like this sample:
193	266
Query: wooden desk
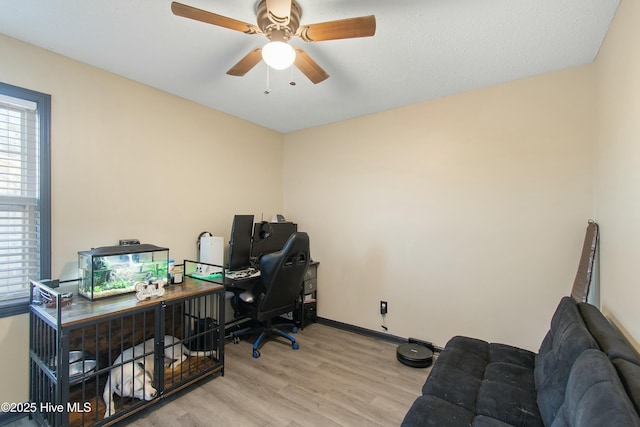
81	309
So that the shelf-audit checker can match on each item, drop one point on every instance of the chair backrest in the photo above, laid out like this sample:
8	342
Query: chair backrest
582	282
281	276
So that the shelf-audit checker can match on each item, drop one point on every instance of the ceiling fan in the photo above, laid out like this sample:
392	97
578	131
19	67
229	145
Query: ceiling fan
279	21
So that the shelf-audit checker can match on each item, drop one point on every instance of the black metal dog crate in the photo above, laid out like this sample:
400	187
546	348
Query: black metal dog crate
75	344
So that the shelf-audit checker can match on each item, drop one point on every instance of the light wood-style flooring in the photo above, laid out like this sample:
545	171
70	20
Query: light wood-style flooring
336	378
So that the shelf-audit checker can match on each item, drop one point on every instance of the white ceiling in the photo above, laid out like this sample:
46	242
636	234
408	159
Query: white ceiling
422	49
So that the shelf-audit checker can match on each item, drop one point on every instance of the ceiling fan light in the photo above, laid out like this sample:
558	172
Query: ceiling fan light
278	55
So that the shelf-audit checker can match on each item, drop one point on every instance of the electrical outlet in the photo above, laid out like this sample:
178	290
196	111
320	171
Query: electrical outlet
384	307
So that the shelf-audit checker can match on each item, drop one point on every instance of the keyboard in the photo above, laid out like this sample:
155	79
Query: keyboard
246	273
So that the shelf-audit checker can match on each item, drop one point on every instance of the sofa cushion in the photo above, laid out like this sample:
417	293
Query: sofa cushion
510	404
453	385
609	338
565	313
511	374
432	411
482	421
470	359
503	353
494	381
594	396
566	340
484	353
629	374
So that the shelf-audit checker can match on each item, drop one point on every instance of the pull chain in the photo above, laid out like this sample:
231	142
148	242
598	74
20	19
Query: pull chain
291	81
268	90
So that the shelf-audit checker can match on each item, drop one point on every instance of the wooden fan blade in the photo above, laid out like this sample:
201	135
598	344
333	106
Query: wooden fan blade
364	26
279	11
191	12
247	63
309	67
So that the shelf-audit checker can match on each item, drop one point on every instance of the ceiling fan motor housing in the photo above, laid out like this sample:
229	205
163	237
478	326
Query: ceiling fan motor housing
267	25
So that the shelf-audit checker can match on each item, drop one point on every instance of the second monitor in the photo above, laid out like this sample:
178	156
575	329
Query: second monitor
240	242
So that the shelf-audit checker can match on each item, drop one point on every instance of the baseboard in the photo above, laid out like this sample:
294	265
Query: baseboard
362	331
367	332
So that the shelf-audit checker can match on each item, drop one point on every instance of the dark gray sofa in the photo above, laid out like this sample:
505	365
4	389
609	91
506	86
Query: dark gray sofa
584	374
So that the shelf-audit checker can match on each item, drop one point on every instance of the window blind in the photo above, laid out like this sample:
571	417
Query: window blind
19	197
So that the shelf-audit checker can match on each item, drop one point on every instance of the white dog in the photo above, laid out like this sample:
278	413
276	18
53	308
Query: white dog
133	377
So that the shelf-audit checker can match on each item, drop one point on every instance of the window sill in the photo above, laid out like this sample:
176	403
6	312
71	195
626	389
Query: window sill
13	308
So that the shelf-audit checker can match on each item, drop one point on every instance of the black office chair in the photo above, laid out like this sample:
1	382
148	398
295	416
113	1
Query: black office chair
277	293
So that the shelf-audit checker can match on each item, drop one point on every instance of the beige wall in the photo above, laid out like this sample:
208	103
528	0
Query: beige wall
129	161
617	183
14	359
467	214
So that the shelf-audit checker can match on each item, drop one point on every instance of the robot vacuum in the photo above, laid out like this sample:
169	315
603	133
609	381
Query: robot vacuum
415	355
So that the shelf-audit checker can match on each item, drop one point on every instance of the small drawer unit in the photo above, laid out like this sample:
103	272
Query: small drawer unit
310	286
307	312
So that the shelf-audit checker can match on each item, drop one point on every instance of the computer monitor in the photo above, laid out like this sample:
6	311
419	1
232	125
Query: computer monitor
240	242
278	236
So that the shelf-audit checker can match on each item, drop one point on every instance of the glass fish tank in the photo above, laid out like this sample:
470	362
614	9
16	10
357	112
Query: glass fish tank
115	270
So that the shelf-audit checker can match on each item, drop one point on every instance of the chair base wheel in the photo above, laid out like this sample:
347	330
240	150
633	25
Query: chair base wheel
295	346
256	354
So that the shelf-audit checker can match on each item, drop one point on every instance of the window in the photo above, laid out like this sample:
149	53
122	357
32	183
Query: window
25	199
